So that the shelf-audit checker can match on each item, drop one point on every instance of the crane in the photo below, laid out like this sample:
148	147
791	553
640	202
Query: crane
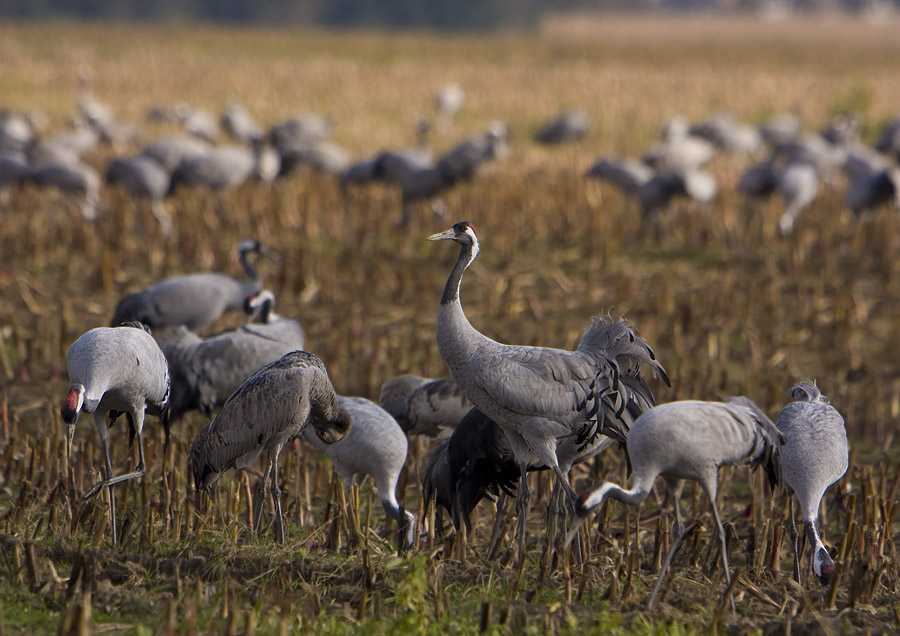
271	406
376	446
543	398
113	370
196	301
814	457
689	439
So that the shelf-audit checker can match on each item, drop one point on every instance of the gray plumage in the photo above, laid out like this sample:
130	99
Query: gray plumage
460	163
843	129
115	370
689	440
815	456
196	301
424	406
781	128
448	101
813	150
544	397
206	371
302	130
225	167
657	194
628	175
359	172
728	134
463	161
324	157
271	406
569	126
15	131
240	125
197	122
145	179
797	182
73	178
889	140
395	165
376	446
13	169
169	152
680	150
867	192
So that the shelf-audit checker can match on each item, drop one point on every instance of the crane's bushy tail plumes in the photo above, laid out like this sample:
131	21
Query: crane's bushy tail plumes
808	391
767	449
619	383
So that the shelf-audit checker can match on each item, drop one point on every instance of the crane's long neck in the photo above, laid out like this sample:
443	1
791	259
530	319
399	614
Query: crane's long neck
456	337
590	499
249	268
467	254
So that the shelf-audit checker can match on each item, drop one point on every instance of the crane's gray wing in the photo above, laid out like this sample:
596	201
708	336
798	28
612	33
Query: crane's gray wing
266	405
548	383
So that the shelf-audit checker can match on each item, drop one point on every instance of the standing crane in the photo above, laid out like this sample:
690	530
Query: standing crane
689	439
196	301
272	406
376	446
115	370
568	126
814	457
544	398
144	178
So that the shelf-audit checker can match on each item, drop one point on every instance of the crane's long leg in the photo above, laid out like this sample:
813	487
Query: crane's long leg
140	469
795	539
100	422
522	501
499	526
710	486
261	493
276	498
674	486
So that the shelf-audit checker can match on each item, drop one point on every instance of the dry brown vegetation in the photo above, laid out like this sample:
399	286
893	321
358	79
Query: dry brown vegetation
729	308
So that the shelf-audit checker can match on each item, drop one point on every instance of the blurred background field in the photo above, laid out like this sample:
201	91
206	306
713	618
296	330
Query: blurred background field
728	305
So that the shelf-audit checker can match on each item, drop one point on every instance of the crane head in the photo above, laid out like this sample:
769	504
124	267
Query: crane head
71	407
823	566
584	505
334	429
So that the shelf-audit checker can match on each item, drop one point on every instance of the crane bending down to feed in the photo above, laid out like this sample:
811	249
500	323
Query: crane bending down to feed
273	405
115	370
376	446
544	398
689	440
196	301
814	457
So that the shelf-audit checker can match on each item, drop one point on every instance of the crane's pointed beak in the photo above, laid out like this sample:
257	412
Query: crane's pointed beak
269	254
443	236
70	436
576	526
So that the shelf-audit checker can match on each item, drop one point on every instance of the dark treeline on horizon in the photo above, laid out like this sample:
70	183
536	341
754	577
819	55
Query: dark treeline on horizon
443	15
